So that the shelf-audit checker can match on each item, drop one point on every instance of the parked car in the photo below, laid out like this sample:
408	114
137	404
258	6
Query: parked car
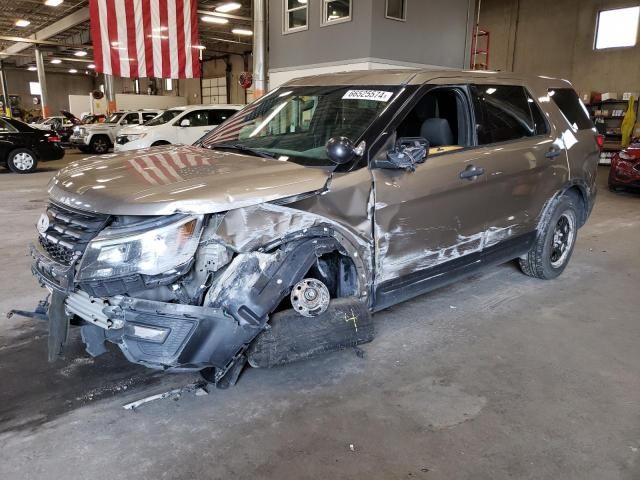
625	168
180	125
90	118
22	146
63	125
99	137
331	197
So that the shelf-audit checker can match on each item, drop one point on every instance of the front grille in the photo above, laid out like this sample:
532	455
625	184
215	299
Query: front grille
69	232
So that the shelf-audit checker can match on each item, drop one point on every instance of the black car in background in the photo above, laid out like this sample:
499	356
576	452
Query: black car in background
22	146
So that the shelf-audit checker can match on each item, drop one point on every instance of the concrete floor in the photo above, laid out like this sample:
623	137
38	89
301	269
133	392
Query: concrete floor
500	376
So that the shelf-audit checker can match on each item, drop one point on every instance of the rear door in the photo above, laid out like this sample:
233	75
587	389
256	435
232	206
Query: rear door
523	156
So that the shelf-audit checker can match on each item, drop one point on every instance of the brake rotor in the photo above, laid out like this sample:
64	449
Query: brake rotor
310	297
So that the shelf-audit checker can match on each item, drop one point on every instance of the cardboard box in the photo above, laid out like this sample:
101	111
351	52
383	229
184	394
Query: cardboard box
609	96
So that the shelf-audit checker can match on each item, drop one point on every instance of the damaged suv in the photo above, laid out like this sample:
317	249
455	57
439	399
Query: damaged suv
277	235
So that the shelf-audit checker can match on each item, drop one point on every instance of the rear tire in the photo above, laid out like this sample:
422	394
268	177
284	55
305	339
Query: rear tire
22	160
100	144
555	242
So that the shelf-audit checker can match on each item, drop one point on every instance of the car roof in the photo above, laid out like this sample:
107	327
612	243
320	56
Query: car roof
216	106
407	76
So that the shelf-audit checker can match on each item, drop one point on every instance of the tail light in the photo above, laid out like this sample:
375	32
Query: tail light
600	140
54	139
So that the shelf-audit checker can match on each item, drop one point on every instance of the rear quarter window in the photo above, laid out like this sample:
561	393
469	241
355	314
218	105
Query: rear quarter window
571	107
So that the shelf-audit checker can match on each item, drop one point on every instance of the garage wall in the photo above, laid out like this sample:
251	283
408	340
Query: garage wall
555	37
217	68
59	87
435	32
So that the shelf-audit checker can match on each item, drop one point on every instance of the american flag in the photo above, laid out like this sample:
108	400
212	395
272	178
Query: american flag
228	131
163	168
145	38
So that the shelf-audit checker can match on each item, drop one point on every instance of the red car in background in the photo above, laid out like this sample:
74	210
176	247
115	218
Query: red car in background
625	167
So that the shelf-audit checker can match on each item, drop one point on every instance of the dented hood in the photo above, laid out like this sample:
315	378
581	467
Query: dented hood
166	180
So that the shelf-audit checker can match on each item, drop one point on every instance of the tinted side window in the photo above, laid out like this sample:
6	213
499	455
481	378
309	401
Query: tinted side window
503	113
6	127
199	118
571	107
540	124
216	117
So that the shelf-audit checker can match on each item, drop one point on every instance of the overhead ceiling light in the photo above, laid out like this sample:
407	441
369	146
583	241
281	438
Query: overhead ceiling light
56	61
211	19
228	7
22	23
199	47
73	70
80	53
32	68
53	3
242	31
91	65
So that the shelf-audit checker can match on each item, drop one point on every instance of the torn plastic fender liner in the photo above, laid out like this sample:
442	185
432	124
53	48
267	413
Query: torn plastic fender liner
346	323
255	283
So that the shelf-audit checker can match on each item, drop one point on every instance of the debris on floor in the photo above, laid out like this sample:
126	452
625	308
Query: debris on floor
199	388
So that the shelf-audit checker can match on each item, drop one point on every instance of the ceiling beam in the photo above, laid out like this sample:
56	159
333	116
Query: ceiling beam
56	28
38	42
225	15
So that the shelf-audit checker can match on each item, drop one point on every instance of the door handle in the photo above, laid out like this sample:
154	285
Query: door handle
471	172
553	153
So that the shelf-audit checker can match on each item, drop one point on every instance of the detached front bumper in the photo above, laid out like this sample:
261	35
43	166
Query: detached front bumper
151	333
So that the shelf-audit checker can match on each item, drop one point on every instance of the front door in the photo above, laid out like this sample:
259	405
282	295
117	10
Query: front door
435	214
197	126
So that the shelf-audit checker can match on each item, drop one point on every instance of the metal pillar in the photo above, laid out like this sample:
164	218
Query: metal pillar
5	92
42	80
259	48
110	93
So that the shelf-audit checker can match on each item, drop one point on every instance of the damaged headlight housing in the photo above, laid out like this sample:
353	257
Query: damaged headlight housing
142	249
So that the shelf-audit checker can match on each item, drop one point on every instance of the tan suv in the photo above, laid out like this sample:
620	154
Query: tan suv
331	197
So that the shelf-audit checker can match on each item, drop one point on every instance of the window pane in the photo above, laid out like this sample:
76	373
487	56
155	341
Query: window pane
396	9
337	10
34	88
5	127
504	114
571	107
617	28
291	4
539	121
297	18
131	119
199	118
216	117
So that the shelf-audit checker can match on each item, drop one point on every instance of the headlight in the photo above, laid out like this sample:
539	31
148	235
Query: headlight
118	252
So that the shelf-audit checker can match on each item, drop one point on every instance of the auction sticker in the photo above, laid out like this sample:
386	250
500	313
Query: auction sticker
375	95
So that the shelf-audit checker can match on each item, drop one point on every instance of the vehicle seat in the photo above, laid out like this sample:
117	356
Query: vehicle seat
437	131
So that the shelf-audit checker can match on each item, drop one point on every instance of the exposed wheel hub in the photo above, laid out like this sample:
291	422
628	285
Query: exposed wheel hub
310	297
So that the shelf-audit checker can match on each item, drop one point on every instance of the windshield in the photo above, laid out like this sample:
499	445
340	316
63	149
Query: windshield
295	123
164	117
113	118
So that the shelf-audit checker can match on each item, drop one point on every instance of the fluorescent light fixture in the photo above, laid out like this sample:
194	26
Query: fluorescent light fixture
22	23
91	65
211	19
242	31
199	47
115	44
228	7
491	91
80	53
73	70
53	3
56	61
32	68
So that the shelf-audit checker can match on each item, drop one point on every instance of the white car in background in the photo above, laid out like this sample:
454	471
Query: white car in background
179	125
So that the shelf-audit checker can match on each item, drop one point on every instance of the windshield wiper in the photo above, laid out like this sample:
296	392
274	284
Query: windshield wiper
242	148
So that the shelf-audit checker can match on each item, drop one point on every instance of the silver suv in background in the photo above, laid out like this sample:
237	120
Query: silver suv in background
100	137
331	197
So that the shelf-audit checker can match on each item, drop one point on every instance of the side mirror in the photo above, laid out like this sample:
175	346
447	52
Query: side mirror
185	123
341	150
406	153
